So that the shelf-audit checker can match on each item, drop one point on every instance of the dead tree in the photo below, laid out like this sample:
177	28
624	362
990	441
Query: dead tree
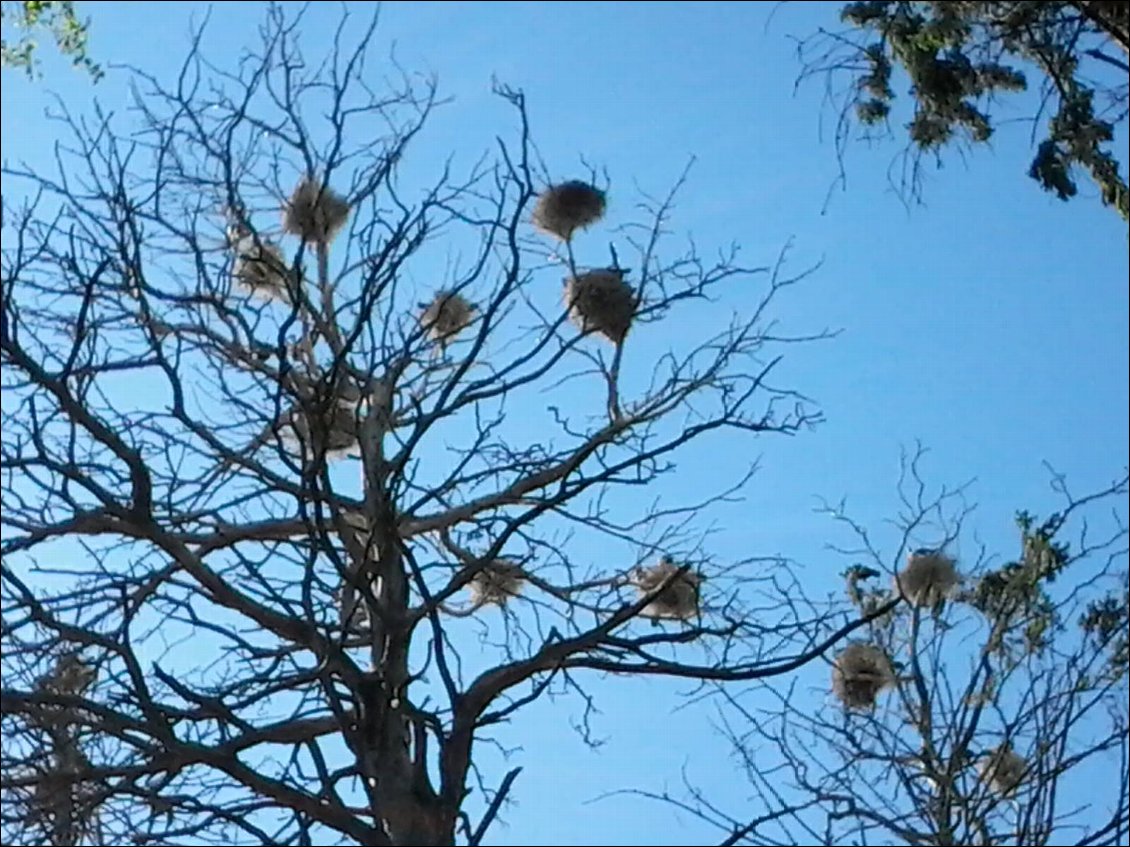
249	482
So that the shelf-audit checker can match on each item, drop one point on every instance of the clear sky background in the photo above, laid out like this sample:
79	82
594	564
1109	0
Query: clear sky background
991	324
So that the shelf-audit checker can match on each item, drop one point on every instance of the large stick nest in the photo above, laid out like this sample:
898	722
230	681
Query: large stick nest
601	301
564	208
929	578
315	213
678	600
337	431
1003	770
859	673
496	583
63	803
446	316
71	675
260	269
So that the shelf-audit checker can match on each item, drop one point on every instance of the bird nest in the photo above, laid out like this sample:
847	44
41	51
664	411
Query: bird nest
601	301
929	578
1003	770
496	583
315	213
346	393
338	431
261	271
446	316
71	675
859	673
62	802
679	593
564	208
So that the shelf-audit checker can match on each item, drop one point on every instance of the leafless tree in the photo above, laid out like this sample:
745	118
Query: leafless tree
251	469
999	713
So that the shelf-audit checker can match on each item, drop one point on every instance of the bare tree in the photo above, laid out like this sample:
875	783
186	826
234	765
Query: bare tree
252	471
988	708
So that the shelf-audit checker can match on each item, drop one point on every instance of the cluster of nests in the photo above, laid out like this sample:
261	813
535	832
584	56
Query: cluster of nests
929	578
313	212
679	590
863	671
674	592
599	301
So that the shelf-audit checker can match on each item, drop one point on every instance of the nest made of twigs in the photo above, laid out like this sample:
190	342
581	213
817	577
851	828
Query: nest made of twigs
1003	769
346	393
71	675
679	600
496	583
859	673
564	208
314	212
601	301
929	578
63	802
447	315
261	270
339	424
338	433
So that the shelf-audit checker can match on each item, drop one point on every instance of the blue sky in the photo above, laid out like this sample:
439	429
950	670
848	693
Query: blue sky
991	324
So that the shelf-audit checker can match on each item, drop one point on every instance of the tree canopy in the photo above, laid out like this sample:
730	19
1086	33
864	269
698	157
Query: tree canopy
247	410
56	17
957	61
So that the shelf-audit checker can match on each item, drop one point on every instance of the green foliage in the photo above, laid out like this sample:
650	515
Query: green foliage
1107	621
57	18
959	57
1013	597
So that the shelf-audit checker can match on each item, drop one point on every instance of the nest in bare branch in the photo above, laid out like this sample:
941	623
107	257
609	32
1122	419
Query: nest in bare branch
315	213
601	301
261	271
1003	770
62	802
679	597
496	583
346	393
320	424
564	208
71	675
929	578
446	316
336	434
859	673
